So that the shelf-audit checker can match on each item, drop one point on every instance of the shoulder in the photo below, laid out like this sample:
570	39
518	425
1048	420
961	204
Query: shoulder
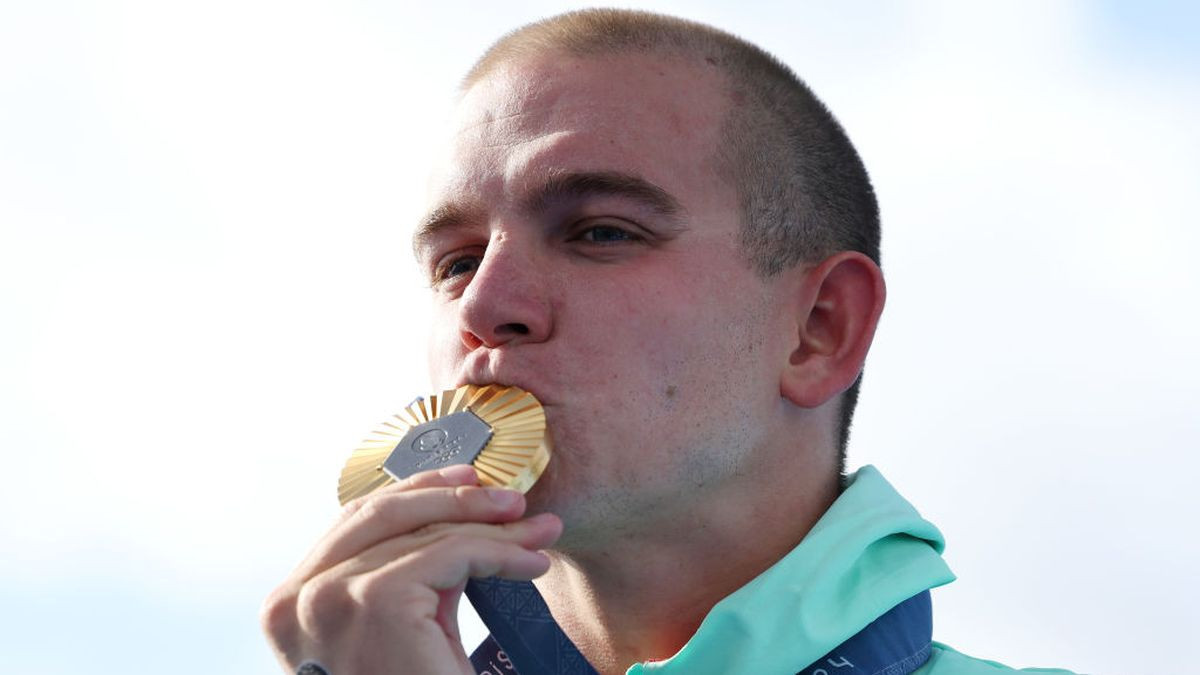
946	661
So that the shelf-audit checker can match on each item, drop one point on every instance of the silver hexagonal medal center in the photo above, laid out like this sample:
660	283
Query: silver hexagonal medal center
457	438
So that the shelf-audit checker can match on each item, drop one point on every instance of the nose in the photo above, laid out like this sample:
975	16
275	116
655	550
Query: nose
506	301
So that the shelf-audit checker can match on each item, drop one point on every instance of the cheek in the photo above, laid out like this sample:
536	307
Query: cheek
674	344
635	335
715	355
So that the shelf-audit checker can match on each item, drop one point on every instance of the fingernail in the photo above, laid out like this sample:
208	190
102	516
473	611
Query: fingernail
502	496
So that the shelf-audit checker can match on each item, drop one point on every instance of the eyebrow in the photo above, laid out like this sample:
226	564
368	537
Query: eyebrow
576	186
559	187
441	218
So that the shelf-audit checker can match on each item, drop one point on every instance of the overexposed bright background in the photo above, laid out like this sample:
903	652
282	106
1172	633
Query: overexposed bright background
207	299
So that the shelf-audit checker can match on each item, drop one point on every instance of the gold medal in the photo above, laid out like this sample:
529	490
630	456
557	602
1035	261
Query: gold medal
498	430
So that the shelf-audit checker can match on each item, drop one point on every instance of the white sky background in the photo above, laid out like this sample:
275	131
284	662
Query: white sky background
207	300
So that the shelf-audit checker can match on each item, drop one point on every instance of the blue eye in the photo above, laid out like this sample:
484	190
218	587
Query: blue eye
458	266
604	234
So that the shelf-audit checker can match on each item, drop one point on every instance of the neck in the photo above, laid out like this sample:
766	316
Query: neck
642	597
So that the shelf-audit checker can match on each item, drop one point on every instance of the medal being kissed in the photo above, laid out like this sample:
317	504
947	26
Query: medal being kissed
498	430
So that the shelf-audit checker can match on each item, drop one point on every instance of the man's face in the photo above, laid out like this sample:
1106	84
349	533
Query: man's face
582	246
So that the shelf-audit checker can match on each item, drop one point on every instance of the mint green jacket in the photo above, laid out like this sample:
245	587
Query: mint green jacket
869	552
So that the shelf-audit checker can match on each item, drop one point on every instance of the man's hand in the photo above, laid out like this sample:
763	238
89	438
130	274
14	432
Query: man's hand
379	592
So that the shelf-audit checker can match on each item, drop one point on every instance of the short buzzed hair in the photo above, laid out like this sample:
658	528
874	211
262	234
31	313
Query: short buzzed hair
803	190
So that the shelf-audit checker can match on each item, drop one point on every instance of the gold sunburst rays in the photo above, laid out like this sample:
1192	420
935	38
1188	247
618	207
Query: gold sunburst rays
514	456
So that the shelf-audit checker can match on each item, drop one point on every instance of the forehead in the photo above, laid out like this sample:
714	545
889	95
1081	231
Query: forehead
657	118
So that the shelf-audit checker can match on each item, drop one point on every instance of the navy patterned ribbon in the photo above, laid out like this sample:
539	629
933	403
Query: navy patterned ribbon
525	640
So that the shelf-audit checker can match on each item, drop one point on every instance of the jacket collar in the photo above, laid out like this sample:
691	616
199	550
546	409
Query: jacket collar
868	553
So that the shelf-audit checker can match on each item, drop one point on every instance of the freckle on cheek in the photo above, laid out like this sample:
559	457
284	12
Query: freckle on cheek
671	391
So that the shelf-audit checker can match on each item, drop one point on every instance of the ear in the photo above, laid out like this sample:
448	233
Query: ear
837	306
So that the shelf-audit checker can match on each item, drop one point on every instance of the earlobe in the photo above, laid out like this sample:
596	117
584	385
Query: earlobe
838	304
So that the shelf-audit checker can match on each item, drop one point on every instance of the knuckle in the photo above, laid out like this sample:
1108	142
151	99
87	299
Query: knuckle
372	504
368	589
381	589
391	597
278	611
352	507
375	507
323	602
372	509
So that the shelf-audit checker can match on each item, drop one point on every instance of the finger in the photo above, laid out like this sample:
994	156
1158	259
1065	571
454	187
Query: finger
417	582
459	474
450	476
396	513
411	589
533	533
452	560
403	581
